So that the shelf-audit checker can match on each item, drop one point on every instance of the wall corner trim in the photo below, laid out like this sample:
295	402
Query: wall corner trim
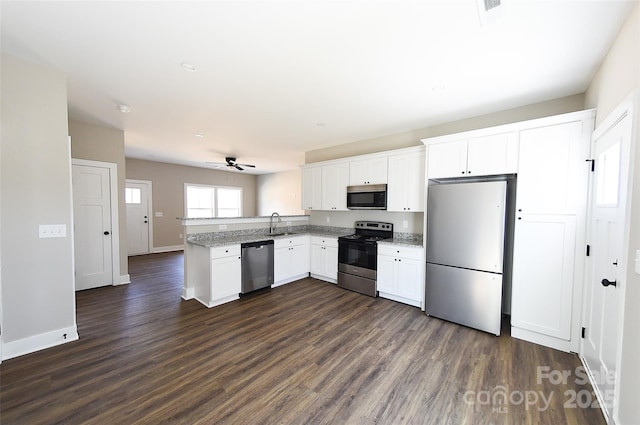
123	280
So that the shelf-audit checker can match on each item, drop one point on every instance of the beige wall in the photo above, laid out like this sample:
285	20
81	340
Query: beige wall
38	293
412	138
97	143
168	193
279	192
618	75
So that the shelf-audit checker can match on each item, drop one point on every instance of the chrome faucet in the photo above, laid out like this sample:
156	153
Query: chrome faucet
272	227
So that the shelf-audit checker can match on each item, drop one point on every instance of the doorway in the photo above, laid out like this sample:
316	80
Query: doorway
139	224
605	284
95	221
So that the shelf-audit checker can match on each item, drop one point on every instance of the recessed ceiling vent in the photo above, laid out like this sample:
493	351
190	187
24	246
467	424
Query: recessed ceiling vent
490	11
490	4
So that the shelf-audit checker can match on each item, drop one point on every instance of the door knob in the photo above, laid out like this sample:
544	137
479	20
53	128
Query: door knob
607	282
106	232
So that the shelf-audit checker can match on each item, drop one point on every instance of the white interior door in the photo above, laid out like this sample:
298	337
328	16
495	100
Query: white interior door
604	291
92	226
138	217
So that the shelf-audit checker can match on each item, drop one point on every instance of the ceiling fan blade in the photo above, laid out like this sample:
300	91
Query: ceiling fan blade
248	165
239	167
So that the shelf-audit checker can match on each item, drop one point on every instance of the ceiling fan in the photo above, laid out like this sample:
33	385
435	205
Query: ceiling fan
231	163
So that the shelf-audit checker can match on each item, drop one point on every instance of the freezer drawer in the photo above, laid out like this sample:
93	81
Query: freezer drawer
468	297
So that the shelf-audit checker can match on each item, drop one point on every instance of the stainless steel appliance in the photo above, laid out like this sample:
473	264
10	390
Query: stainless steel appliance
367	197
358	256
466	241
257	265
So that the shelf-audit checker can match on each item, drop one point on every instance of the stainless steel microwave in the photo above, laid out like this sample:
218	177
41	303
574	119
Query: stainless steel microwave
367	197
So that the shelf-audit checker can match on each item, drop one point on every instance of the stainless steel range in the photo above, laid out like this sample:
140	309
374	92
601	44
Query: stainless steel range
358	256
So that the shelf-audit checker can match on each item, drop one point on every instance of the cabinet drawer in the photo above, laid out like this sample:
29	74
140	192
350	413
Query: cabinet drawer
319	240
225	251
296	240
401	251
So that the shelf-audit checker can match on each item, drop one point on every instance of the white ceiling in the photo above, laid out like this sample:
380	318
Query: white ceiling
277	78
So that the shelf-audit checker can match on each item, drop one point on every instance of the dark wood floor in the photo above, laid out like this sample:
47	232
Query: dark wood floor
303	353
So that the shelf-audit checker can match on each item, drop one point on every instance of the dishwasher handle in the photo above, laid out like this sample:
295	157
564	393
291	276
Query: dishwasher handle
258	244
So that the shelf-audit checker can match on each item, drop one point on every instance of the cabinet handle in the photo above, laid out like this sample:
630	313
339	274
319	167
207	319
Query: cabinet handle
607	282
519	209
463	172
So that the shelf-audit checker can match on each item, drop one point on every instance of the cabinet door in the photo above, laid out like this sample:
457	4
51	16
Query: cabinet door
494	154
377	171
311	188
335	179
447	159
406	183
368	171
552	172
225	277
317	260
299	258
542	280
281	264
409	279
331	262
386	276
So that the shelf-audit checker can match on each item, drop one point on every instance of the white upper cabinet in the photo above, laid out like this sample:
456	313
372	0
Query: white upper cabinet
311	188
447	159
493	154
405	189
335	179
552	171
368	171
476	156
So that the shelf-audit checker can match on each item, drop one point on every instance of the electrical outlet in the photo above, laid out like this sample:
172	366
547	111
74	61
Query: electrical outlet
405	224
288	223
180	235
328	219
222	227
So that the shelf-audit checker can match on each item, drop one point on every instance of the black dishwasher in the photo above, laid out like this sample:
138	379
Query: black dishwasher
257	265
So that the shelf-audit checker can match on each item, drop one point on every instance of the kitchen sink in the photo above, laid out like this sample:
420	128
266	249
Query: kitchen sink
282	234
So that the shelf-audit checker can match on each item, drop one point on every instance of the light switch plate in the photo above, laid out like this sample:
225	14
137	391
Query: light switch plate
52	231
158	213
222	227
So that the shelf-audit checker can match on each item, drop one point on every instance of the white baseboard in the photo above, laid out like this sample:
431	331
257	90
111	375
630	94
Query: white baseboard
159	249
39	342
123	280
188	293
545	340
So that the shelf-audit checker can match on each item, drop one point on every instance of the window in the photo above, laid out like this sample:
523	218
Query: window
212	201
132	195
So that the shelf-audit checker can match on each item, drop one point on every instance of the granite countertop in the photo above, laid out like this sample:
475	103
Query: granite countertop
213	239
209	240
412	243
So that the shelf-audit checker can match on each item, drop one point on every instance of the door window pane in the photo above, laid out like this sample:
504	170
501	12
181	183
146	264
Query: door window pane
608	170
132	195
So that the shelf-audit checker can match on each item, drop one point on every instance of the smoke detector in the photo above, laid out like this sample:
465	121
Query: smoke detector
124	108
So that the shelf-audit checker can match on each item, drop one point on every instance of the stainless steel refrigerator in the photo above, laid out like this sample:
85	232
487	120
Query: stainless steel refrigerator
465	252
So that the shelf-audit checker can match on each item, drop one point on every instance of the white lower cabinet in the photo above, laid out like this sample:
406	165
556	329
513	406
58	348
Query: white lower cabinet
543	277
290	259
324	258
216	275
401	274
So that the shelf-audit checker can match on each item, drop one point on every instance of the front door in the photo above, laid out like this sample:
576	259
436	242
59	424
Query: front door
92	226
138	217
604	290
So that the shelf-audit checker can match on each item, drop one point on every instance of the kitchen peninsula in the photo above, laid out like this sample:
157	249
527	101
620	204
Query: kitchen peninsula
212	260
